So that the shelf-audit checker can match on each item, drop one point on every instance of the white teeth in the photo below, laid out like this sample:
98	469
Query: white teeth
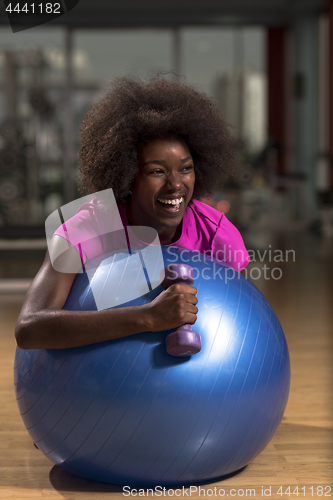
171	202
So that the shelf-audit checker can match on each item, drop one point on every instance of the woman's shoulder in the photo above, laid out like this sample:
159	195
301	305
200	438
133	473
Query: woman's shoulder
200	224
205	212
216	223
225	241
95	212
209	214
88	228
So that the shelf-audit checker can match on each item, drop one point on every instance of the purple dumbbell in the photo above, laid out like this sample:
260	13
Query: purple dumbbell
182	341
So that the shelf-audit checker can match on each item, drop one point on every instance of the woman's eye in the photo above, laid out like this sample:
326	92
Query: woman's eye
157	171
188	168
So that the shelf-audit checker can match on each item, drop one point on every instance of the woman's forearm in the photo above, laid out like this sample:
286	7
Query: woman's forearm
61	329
44	324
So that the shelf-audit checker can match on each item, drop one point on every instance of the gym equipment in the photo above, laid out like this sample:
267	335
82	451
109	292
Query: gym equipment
126	412
182	341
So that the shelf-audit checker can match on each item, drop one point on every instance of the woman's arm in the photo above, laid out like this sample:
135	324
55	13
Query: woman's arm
43	324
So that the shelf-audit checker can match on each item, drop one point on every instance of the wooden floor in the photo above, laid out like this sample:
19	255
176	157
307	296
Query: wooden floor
301	452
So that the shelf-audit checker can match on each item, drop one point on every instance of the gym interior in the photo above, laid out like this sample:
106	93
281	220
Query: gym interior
269	67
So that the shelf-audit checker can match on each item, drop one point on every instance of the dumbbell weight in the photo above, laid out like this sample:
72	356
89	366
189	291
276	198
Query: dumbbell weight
182	341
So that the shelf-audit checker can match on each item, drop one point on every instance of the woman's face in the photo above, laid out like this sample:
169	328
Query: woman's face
163	187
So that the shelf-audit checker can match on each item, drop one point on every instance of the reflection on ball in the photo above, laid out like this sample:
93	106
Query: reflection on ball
126	412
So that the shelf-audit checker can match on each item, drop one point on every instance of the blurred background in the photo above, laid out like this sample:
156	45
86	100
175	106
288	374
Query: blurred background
267	63
269	66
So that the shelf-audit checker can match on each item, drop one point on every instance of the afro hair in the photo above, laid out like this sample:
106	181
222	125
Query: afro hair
132	112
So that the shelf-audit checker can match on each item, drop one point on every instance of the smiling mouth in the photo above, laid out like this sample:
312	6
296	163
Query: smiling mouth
171	205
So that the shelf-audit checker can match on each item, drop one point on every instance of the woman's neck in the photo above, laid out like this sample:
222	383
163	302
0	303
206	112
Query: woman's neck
168	239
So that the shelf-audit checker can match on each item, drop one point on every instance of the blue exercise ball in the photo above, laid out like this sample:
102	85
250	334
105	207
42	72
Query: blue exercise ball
125	412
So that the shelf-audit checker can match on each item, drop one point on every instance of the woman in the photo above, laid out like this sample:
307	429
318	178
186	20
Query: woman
160	146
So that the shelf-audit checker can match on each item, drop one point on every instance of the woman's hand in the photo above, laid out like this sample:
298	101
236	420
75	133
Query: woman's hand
172	308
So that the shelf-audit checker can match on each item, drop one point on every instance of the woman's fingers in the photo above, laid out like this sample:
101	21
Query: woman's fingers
187	290
174	307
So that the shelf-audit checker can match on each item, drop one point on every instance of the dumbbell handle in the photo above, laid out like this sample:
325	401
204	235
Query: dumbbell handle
182	341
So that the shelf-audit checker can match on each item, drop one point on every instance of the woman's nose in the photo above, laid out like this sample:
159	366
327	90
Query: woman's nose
174	180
